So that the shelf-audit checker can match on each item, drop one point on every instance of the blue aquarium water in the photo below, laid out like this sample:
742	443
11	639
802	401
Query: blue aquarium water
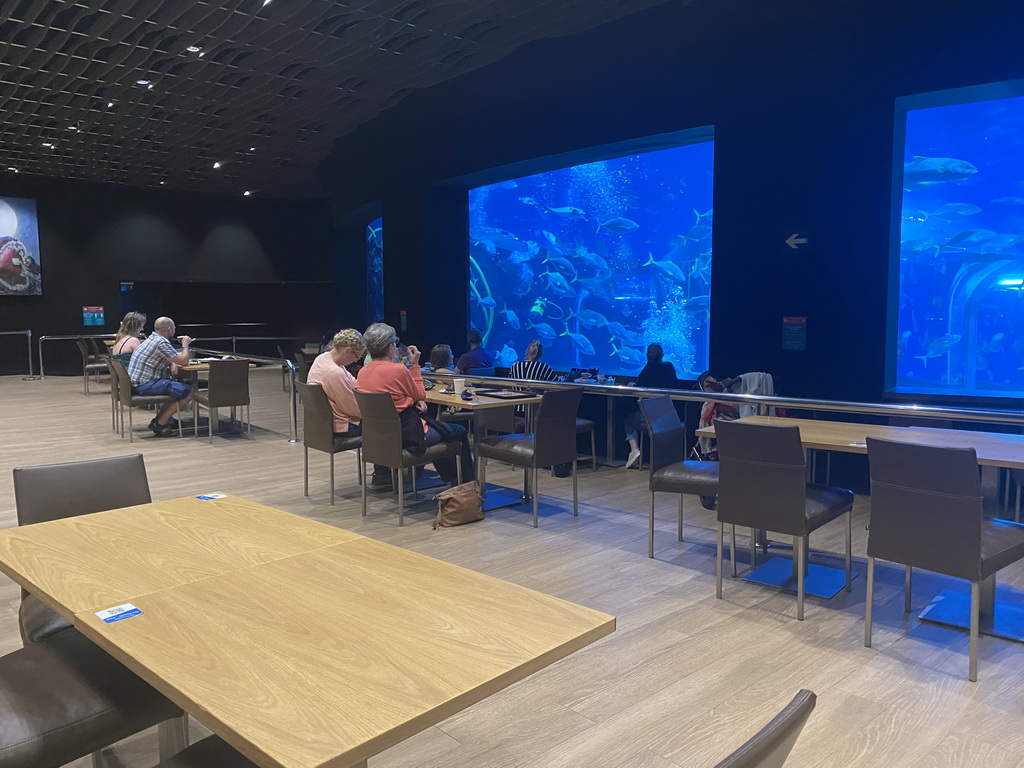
960	327
375	271
596	261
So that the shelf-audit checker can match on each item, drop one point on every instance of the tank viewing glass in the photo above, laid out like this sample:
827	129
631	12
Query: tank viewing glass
375	271
597	260
957	246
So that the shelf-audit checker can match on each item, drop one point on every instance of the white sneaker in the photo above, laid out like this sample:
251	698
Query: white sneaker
634	457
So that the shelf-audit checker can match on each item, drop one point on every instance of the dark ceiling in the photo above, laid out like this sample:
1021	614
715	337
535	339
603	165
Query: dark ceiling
155	92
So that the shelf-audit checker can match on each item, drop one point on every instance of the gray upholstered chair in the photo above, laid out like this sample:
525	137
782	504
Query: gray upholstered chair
584	426
926	512
63	698
302	367
115	395
90	364
382	444
211	752
770	747
228	388
1017	478
127	397
318	433
55	491
762	485
552	442
670	471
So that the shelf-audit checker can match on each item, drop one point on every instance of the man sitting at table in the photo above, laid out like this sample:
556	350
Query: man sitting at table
477	357
405	385
150	370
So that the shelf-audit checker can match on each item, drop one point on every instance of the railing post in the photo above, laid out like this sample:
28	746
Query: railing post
294	417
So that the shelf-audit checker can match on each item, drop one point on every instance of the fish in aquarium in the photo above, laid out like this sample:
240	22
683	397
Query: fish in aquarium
929	171
957	210
939	347
562	254
1008	201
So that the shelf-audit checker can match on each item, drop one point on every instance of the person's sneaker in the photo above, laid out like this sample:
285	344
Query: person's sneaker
161	430
708	502
379	483
634	457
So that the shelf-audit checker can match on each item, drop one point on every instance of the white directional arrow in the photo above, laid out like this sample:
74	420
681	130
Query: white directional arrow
794	241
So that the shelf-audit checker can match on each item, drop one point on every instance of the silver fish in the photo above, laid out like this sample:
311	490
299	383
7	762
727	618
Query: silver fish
667	268
956	210
939	347
620	224
581	342
929	171
567	211
589	318
544	330
618	331
558	285
631	356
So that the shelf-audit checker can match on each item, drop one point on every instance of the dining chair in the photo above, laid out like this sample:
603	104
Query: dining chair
228	387
115	395
770	747
211	752
90	365
64	697
54	491
318	434
926	512
762	485
127	397
553	441
671	472
302	371
382	444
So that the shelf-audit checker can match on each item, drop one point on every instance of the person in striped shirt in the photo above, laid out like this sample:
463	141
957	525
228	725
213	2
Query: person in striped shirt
532	367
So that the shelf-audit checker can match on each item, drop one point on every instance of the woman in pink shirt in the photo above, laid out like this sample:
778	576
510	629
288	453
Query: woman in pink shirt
405	385
329	371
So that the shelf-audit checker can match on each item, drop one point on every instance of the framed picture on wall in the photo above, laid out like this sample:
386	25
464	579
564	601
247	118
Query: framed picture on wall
19	248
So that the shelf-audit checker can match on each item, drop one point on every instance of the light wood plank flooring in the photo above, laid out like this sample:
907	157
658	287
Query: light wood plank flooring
684	679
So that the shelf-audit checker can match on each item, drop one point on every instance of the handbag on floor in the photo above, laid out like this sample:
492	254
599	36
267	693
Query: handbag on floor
459	505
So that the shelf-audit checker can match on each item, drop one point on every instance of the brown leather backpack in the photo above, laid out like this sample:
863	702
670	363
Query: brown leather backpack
459	505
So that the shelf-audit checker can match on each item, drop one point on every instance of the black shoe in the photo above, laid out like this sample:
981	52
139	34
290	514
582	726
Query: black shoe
379	483
708	502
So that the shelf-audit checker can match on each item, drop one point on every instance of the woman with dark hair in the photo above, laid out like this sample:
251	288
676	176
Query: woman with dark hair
657	374
442	359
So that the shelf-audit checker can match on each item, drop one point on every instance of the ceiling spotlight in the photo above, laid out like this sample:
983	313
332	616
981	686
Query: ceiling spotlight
247	193
110	105
12	169
142	82
193	49
161	183
202	53
72	127
48	144
217	164
252	149
266	2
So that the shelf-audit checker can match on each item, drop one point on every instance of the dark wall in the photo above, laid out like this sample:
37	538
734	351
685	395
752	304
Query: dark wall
92	237
801	94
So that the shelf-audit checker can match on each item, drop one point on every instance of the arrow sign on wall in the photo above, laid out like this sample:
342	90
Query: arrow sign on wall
796	240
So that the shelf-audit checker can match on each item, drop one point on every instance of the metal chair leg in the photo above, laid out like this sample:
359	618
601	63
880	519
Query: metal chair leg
172	736
753	548
718	562
680	517
401	498
849	551
732	549
535	484
365	483
482	475
972	674
332	478
305	470
801	562
650	529
593	451
868	602
908	576
458	468
575	493
131	431
359	466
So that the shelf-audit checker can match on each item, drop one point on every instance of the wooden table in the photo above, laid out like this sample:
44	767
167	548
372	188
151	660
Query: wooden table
993	449
302	645
498	496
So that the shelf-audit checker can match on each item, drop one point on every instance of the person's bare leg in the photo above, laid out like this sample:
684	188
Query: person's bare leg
633	445
172	408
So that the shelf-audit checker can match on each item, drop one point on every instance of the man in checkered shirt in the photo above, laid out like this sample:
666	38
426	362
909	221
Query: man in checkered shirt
150	372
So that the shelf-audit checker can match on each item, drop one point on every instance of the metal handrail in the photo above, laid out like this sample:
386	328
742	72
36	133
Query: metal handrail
42	374
28	335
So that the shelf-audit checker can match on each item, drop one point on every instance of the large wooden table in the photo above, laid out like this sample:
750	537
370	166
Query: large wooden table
993	449
300	644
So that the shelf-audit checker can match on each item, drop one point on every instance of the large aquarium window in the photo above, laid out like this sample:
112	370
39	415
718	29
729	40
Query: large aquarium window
375	271
597	260
959	328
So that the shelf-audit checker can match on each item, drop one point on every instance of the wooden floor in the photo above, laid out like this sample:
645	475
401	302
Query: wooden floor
684	679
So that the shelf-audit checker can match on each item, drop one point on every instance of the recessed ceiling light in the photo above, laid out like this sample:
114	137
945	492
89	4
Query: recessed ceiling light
12	169
72	127
161	183
266	2
252	149
48	144
142	82
217	164
193	49
202	53
247	193
110	105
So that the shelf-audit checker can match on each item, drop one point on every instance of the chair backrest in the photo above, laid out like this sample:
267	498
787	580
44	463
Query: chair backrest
382	429
124	383
926	507
302	365
114	389
555	428
668	434
761	480
770	746
317	417
84	349
480	372
94	349
55	491
228	383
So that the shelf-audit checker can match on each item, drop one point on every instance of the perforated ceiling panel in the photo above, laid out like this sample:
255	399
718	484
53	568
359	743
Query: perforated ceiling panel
155	92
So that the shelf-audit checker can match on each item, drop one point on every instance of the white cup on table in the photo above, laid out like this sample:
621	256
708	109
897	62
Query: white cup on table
460	386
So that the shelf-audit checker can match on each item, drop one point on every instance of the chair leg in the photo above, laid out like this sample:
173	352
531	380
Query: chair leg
536	485
99	760
481	466
680	517
213	417
131	435
195	420
359	466
732	549
172	736
332	478
1019	489
650	529
908	576
868	602
401	497
305	470
753	548
718	561
458	468
365	483
593	451
575	493
849	551
972	673
801	566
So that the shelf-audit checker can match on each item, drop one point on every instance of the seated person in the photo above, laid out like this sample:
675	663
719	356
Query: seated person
441	359
477	357
405	385
127	339
657	374
150	371
532	367
330	372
